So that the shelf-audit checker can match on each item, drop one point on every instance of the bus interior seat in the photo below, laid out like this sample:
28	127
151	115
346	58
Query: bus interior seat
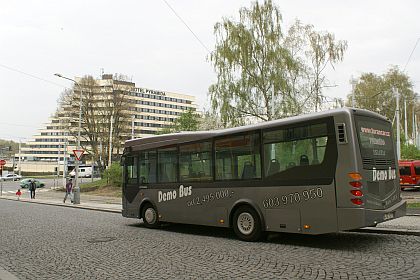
249	171
304	160
274	167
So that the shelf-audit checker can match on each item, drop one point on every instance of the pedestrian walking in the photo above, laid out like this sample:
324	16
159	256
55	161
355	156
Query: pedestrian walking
32	188
69	189
18	193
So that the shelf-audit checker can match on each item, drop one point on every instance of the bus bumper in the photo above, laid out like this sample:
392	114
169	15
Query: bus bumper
353	218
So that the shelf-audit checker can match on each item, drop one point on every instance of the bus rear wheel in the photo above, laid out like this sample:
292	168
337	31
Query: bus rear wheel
150	216
247	224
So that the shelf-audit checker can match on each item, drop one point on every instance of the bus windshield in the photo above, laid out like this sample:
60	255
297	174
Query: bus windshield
375	138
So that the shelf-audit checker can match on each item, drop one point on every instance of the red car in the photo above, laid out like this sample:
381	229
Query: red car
409	173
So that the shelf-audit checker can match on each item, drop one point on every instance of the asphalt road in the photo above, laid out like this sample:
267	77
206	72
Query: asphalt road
49	242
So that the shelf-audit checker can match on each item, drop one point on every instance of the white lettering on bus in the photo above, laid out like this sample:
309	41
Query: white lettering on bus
383	175
171	195
184	191
375	131
377	141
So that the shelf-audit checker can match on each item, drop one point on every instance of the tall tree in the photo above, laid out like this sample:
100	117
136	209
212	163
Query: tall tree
375	93
101	106
323	50
189	120
249	62
264	73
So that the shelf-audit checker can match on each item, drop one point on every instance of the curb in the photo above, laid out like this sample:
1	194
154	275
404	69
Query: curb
86	207
388	231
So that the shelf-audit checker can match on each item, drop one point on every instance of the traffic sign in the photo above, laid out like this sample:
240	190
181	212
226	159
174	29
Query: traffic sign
78	154
2	162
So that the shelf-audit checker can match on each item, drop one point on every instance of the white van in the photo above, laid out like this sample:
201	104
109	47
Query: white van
84	172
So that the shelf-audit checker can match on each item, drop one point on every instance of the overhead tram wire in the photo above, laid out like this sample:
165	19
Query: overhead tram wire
186	25
408	61
411	54
31	75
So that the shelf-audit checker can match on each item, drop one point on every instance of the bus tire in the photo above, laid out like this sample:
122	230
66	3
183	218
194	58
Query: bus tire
247	224
150	216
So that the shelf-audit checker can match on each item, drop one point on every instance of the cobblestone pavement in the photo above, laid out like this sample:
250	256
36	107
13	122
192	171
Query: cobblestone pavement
45	242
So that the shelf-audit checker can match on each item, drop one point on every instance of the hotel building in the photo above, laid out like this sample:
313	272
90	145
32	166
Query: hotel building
149	111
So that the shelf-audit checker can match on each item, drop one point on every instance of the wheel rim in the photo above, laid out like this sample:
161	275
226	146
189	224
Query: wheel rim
150	215
246	223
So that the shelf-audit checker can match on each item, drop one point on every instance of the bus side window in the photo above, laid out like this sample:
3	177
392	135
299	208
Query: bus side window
147	166
167	165
238	157
195	162
295	148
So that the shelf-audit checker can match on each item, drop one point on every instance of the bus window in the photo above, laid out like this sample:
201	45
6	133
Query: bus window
195	162
375	139
147	167
293	147
167	165
238	157
131	170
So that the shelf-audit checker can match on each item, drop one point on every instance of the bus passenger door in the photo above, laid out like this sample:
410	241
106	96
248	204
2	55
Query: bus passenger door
130	185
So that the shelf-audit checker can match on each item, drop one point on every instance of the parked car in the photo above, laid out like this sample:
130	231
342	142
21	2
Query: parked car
25	183
409	174
11	177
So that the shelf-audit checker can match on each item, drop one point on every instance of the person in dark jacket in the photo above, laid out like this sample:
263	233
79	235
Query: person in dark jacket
69	188
32	188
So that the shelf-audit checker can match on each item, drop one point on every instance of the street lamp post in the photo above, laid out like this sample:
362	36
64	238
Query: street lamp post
76	198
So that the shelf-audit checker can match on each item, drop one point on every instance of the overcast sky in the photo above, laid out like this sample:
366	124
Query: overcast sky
145	40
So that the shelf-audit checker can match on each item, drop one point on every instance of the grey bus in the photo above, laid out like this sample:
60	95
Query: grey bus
312	174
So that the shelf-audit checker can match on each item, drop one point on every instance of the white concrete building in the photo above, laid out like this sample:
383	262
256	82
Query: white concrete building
149	111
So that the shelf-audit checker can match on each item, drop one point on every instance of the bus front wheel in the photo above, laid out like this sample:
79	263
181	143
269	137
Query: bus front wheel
247	224
150	216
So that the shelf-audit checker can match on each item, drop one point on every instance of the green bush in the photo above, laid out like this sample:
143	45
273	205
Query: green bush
410	152
113	175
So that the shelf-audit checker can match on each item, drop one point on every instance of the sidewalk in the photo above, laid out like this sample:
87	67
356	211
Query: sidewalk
409	224
55	197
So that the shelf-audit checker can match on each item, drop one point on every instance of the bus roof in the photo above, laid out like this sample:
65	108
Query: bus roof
191	136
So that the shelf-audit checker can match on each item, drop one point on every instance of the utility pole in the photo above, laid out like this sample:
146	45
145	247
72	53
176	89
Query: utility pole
110	142
132	127
405	120
353	85
65	162
398	123
76	189
20	149
413	133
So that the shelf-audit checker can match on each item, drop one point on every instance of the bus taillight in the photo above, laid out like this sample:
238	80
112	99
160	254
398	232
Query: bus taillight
356	184
356	193
357	201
